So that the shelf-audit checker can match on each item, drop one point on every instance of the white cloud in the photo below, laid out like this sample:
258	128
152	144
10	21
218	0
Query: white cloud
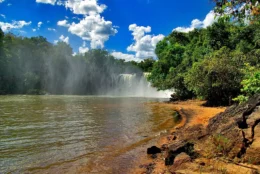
93	28
33	29
63	23
2	1
83	49
209	20
85	7
51	29
14	25
144	45
62	39
46	1
2	15
126	57
39	24
9	4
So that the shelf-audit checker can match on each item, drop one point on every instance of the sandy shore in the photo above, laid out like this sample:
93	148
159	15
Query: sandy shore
193	113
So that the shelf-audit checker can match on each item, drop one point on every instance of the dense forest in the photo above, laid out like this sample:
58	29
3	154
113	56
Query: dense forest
35	66
209	63
220	64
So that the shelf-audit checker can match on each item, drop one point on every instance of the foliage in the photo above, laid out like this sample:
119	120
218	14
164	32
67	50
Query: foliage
206	63
216	78
238	10
145	65
35	66
250	83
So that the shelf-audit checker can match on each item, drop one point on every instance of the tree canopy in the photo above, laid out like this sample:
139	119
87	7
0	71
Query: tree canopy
240	10
206	63
35	66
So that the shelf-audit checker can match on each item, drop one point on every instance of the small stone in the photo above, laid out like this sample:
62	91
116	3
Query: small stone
164	147
154	156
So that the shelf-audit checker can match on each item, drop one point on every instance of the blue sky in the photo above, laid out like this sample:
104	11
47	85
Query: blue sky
129	29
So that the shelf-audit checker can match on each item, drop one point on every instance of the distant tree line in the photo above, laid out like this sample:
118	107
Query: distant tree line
35	66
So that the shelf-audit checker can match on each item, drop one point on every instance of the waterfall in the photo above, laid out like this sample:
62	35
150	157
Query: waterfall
136	85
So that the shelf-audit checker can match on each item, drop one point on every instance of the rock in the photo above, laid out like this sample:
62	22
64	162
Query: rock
153	150
181	158
150	168
164	147
154	156
238	124
178	148
252	155
174	137
169	160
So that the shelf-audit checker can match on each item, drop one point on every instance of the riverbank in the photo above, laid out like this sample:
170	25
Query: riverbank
192	113
195	147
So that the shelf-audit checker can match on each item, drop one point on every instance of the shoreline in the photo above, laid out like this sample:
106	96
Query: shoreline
208	140
192	114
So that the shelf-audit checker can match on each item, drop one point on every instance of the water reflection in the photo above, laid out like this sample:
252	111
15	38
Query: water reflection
68	134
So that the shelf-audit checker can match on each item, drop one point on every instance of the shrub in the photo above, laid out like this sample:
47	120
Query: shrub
250	83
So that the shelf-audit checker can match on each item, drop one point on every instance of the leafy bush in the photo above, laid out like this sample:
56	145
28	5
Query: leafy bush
250	83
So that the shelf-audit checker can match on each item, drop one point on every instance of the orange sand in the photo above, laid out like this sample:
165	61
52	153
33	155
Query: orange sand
193	113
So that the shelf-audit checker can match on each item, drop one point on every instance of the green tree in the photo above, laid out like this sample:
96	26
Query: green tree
216	78
239	10
250	83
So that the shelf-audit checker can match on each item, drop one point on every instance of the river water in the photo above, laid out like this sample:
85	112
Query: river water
77	134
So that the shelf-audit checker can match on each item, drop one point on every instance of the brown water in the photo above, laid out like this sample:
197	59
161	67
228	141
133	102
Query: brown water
76	134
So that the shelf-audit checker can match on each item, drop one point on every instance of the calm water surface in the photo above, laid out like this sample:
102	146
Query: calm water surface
76	134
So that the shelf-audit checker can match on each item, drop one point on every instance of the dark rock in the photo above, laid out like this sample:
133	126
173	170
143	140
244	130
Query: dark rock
178	148
169	160
174	137
238	125
154	156
153	150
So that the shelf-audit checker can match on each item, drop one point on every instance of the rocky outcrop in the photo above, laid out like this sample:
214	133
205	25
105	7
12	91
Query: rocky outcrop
177	148
232	136
239	124
179	160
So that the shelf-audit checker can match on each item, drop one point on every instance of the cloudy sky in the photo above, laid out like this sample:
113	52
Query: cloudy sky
129	29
